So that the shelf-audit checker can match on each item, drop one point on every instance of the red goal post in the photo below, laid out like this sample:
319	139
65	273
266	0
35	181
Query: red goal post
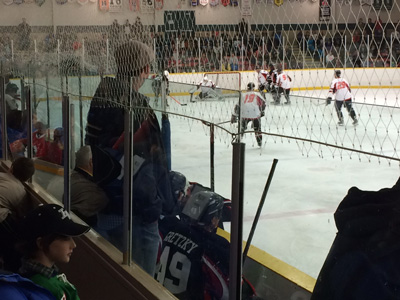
226	80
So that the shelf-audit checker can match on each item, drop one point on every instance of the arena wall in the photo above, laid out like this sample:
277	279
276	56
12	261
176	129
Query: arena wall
307	12
310	79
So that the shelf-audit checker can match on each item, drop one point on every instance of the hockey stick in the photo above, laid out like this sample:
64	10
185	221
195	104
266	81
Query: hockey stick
260	206
181	104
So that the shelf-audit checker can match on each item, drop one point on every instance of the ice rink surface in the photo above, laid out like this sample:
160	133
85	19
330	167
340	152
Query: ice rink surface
296	224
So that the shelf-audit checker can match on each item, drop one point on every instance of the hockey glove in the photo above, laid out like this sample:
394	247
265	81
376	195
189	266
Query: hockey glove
328	100
262	113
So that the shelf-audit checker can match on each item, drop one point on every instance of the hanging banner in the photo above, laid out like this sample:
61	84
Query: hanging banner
115	6
134	5
388	4
159	4
194	2
225	2
324	10
377	4
104	5
203	2
366	2
246	8
147	6
214	2
278	2
234	2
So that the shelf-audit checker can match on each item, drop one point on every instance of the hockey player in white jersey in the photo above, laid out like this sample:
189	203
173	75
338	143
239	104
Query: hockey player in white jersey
207	90
341	89
262	80
284	83
251	109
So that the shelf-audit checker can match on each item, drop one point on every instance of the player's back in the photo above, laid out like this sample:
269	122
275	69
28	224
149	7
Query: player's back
251	105
186	253
341	88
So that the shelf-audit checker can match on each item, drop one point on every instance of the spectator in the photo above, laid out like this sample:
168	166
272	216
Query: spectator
24	32
330	60
133	61
364	261
87	198
55	148
234	62
48	233
13	205
15	287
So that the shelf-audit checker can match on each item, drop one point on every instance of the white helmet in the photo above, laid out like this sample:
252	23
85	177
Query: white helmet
166	73
205	78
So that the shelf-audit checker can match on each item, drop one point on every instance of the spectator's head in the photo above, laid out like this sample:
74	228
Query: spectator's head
58	133
40	128
11	89
47	233
133	59
22	168
205	79
204	209
84	159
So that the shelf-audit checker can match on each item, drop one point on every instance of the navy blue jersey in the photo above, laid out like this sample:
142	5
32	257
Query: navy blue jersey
194	263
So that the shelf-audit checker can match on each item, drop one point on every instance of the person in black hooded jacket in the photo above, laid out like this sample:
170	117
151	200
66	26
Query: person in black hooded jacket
364	260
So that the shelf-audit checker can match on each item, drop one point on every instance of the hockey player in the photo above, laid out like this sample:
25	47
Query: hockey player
284	83
271	86
341	89
262	80
194	261
207	90
252	109
157	83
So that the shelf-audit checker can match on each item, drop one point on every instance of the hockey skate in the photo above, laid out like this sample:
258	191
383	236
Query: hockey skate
287	102
355	122
341	122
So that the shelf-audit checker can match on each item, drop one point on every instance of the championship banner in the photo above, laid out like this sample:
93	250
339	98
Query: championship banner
377	4
225	2
270	2
324	10
147	6
246	8
104	5
388	4
115	6
278	2
203	2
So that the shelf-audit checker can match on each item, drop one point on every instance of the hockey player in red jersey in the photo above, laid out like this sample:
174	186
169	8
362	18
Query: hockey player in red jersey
341	89
251	110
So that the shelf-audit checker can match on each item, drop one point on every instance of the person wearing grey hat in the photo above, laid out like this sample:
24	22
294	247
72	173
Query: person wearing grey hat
105	131
47	238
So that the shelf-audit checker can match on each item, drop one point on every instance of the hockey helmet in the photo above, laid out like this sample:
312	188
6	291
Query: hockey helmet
178	184
250	86
202	207
338	73
11	87
271	67
166	73
205	78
